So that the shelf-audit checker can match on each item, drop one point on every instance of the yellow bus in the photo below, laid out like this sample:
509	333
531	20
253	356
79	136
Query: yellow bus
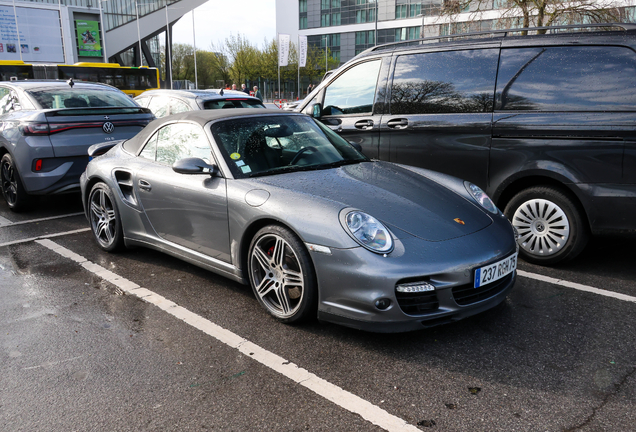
131	80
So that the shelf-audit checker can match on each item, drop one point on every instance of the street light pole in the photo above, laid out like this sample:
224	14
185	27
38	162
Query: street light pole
17	29
141	53
194	39
59	7
169	46
101	20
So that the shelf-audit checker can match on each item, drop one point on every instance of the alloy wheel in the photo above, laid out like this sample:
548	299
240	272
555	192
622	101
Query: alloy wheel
9	183
543	227
277	275
103	218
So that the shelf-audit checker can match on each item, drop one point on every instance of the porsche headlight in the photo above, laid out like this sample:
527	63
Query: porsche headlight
481	197
369	232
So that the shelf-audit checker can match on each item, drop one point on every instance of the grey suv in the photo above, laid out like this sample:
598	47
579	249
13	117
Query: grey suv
545	123
47	127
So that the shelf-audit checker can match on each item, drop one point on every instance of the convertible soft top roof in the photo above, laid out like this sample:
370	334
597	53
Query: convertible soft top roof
201	117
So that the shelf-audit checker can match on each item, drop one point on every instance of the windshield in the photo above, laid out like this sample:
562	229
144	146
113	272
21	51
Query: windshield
254	146
81	98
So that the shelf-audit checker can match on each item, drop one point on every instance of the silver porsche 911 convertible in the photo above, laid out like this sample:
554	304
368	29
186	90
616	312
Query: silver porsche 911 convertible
282	203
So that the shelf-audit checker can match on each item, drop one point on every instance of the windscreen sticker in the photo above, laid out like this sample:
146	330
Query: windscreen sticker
246	169
235	156
239	163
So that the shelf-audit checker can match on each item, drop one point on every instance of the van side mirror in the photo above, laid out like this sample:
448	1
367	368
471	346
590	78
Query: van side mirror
194	166
314	110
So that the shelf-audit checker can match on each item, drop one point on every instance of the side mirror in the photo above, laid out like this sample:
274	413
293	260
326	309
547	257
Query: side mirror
194	166
314	110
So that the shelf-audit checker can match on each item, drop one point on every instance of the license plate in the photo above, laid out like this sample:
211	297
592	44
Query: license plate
490	273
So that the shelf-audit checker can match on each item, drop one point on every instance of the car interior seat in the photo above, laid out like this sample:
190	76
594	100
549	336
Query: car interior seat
258	155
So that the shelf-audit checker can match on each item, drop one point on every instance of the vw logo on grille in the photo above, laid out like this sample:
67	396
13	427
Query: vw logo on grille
108	127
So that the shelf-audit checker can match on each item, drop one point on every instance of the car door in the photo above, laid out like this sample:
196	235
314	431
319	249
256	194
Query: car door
189	210
440	111
352	104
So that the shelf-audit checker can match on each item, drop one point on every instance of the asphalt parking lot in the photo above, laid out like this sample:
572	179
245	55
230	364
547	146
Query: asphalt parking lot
142	341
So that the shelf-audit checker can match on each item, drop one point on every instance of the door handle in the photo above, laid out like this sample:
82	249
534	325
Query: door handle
144	185
364	124
397	123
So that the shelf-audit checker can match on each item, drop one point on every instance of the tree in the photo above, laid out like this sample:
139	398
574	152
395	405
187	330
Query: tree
539	13
243	58
182	62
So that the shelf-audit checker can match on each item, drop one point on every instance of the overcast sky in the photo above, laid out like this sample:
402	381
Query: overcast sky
216	19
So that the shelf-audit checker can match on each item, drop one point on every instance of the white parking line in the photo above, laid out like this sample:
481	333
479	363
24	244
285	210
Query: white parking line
46	236
6	222
576	286
331	392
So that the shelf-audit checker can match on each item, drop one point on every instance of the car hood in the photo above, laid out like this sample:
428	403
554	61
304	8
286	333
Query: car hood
398	197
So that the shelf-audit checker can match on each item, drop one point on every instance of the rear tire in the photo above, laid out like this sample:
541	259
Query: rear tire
104	218
551	225
12	190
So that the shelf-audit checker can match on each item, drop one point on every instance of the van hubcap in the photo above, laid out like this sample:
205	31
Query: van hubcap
543	227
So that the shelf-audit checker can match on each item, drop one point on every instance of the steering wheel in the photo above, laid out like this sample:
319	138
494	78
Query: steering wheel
300	153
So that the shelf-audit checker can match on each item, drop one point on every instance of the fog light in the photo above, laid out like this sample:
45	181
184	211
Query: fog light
382	304
415	287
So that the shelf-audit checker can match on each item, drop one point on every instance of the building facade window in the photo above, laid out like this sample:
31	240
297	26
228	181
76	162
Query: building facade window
325	20
407	33
400	11
335	19
302	6
302	23
325	4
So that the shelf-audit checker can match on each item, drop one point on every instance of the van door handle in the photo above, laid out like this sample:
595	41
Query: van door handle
364	124
397	123
144	185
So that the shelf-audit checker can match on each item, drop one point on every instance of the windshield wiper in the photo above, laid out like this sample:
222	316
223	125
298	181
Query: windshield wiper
292	168
339	163
283	169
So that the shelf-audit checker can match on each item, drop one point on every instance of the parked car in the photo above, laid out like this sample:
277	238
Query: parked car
291	105
168	102
278	201
47	127
544	123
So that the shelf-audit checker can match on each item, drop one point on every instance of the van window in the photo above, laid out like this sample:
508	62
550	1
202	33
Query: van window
353	91
567	79
444	82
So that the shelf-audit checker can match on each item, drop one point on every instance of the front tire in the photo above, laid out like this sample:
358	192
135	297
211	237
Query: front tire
550	224
12	189
281	275
104	218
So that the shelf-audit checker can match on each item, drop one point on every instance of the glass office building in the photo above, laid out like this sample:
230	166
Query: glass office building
349	27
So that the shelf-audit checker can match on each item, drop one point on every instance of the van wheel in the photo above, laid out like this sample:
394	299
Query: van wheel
12	190
550	224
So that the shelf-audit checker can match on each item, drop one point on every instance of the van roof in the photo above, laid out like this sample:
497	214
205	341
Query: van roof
495	34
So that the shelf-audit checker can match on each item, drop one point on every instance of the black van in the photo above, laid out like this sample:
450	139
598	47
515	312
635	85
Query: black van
544	123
